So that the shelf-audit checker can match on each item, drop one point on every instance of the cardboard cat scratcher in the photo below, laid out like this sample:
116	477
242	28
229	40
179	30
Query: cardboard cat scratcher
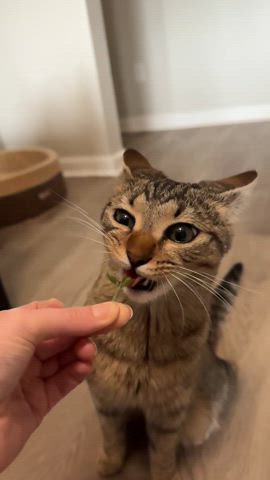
31	181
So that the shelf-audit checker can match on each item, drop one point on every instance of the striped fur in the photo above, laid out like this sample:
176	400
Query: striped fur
163	363
226	293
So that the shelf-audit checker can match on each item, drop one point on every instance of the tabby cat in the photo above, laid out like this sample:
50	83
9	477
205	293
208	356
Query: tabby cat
169	237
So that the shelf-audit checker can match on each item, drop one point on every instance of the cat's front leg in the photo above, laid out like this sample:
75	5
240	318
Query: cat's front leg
112	457
163	441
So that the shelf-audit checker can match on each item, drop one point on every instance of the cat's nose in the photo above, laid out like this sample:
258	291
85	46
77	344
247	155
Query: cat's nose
140	248
136	262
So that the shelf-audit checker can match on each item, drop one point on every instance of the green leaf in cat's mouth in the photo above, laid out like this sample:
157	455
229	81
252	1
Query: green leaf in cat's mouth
125	282
120	284
113	279
133	281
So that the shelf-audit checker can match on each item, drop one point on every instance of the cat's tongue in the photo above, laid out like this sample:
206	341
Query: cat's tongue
136	278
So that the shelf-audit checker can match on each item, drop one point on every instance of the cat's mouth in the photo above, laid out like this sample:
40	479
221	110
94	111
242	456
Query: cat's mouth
140	283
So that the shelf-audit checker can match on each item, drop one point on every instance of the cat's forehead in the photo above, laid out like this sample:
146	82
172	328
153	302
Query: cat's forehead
161	191
154	209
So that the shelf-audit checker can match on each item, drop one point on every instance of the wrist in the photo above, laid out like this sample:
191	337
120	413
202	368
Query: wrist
6	433
13	434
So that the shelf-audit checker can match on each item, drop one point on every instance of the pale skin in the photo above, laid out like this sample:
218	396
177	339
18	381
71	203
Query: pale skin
45	352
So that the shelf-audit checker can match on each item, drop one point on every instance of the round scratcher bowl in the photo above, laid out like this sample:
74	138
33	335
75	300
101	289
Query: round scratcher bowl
30	183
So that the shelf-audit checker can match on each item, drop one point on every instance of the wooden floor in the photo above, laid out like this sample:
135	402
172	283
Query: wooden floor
53	256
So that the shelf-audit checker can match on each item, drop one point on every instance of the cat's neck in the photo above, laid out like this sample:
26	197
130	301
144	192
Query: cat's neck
173	321
163	330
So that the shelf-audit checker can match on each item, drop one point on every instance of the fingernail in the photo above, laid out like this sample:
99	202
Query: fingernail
122	312
125	314
130	311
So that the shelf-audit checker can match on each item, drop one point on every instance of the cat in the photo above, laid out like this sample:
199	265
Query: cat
169	238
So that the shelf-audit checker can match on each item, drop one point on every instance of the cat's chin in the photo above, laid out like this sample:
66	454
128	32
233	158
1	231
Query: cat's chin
140	296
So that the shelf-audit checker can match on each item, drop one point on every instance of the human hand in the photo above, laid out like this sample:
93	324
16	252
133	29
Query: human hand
45	352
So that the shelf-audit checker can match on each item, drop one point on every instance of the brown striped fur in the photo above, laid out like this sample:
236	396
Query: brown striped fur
162	362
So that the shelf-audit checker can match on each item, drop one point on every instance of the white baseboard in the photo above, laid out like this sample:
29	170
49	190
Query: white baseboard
92	165
203	118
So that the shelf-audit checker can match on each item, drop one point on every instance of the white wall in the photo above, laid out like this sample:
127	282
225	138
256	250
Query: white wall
55	84
176	59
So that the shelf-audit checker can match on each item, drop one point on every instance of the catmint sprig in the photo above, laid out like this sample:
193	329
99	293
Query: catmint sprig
120	284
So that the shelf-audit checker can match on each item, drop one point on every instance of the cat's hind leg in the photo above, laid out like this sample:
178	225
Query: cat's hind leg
209	406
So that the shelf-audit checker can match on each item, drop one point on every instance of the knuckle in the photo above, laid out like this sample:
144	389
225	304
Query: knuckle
35	305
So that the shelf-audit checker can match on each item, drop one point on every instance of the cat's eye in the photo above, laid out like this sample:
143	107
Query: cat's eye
181	232
124	217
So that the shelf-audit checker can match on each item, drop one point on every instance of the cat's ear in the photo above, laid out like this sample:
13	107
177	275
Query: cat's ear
237	182
234	191
135	163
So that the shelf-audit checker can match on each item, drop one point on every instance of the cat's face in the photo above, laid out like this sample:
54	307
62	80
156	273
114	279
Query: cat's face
159	230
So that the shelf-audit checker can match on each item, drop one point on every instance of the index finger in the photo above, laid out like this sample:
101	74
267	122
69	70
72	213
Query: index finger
75	321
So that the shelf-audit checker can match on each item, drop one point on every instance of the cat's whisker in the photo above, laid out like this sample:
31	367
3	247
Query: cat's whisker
209	288
86	237
77	208
82	212
166	292
100	250
214	280
93	230
164	289
210	278
204	284
195	275
196	294
208	283
179	301
84	223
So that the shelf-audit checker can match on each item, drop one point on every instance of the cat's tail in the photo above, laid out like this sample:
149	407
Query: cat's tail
226	292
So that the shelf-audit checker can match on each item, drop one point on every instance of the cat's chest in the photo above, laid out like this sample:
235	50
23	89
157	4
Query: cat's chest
148	338
135	385
150	368
151	361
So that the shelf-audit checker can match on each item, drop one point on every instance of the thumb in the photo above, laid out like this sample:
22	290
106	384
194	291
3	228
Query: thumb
75	321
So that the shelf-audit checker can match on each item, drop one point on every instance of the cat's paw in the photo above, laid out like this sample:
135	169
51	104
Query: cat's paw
197	434
163	476
109	465
177	476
